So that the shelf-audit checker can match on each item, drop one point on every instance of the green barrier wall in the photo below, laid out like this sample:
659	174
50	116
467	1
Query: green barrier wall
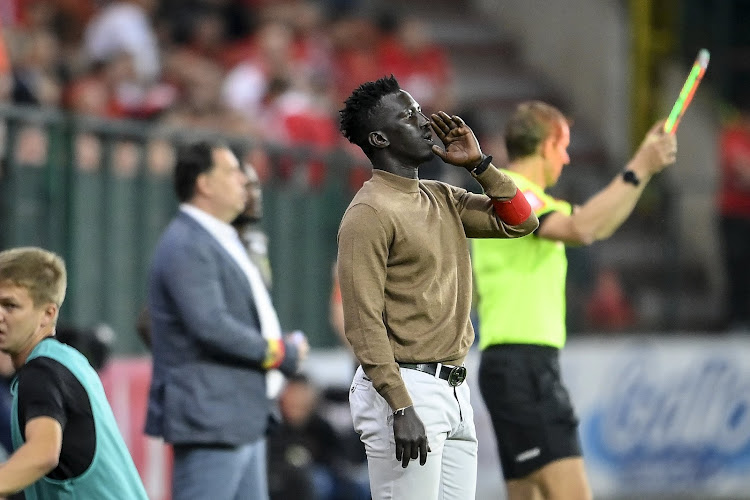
100	192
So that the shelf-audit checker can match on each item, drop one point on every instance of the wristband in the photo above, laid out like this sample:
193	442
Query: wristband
514	211
401	411
275	354
482	166
630	177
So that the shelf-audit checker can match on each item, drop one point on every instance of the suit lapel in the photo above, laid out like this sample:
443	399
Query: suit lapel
226	259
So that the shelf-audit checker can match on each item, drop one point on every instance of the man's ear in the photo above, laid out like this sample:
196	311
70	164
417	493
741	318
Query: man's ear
201	183
547	146
378	140
50	314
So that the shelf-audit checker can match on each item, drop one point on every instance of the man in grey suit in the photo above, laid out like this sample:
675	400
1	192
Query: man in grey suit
215	337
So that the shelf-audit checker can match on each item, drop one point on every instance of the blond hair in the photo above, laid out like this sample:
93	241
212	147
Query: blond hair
39	271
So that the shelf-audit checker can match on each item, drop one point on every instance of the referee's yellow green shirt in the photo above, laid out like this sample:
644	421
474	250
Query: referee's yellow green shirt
521	282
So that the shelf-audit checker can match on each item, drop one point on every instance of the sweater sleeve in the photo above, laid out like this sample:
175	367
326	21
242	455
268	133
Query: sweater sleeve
478	213
363	242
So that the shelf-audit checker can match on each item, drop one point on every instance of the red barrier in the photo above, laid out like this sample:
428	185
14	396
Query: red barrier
126	382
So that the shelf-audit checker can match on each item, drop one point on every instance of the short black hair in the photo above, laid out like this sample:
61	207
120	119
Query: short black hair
358	107
193	159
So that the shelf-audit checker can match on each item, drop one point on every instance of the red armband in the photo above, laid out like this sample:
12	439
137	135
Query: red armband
514	211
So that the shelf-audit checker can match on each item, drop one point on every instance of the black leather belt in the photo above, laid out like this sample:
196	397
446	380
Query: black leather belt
455	375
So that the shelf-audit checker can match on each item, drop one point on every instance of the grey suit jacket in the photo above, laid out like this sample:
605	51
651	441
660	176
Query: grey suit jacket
207	386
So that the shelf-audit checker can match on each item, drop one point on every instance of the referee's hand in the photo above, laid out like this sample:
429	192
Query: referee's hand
410	437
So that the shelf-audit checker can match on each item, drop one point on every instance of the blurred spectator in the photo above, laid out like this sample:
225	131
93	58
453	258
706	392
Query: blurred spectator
734	213
247	84
6	70
248	226
301	116
72	16
109	88
299	108
96	92
311	45
306	458
608	307
35	73
198	105
408	52
354	41
28	15
206	33
125	26
35	14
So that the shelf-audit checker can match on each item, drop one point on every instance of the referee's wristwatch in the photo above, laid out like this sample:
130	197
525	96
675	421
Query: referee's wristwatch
630	177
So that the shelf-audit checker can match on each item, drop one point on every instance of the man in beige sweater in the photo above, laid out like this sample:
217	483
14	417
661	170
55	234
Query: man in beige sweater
405	277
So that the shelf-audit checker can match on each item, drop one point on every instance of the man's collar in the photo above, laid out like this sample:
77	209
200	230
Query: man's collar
403	184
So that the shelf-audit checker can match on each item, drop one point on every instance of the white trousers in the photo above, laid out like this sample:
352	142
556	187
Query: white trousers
451	469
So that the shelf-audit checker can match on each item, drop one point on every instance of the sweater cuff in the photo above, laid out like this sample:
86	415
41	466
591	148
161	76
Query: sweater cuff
496	184
397	397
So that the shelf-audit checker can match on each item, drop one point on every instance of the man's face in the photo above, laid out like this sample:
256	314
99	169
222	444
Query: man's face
20	319
224	185
297	403
555	152
254	205
400	120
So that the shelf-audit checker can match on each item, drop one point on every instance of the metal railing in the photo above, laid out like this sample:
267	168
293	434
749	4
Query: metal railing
99	192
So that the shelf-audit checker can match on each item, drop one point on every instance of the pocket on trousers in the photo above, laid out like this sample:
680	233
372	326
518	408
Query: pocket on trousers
368	416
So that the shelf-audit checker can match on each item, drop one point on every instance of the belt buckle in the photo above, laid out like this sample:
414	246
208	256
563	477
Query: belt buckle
457	376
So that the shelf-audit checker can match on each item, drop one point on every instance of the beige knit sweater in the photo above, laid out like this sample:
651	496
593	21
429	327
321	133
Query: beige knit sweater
405	271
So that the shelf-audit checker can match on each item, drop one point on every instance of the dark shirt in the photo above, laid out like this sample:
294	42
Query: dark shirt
47	389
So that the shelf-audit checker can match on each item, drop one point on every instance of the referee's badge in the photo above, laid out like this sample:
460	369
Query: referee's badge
533	200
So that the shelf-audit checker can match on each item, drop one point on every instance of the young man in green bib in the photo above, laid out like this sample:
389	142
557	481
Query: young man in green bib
65	438
521	288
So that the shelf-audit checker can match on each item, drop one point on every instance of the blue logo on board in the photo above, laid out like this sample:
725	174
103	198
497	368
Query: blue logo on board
682	428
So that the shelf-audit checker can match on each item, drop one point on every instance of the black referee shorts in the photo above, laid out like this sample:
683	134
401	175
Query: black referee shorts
531	412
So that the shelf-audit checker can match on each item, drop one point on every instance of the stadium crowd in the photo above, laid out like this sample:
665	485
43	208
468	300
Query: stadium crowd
268	70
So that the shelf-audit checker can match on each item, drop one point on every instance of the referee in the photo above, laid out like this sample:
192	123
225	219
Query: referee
522	326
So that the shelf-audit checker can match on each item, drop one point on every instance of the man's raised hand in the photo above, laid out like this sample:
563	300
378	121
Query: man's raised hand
461	145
